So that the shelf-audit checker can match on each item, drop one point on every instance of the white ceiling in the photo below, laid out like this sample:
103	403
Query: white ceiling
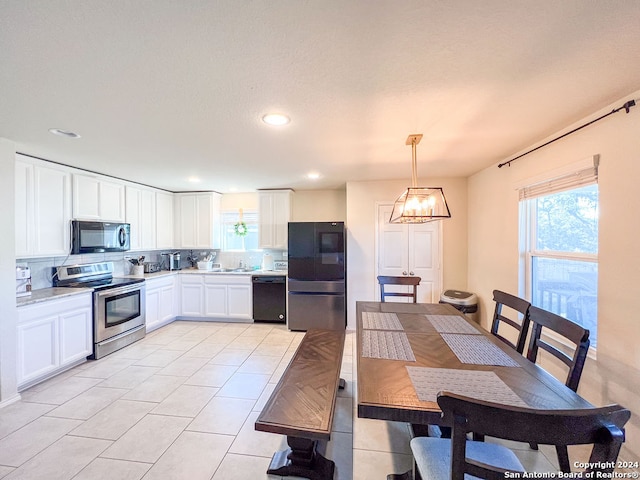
162	90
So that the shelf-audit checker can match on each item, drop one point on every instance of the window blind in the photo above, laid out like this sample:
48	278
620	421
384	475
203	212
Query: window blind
579	178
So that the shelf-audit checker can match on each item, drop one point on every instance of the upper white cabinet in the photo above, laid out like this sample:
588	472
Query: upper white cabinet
43	208
141	214
164	220
274	212
98	198
197	223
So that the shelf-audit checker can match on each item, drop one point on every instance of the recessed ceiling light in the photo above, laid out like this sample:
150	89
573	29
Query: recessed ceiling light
313	175
194	179
64	133
276	119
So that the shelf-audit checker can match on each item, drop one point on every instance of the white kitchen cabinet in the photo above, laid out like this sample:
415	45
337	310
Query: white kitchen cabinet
140	212
43	208
52	336
161	296
197	222
98	198
240	300
274	213
192	296
164	220
215	299
228	296
216	296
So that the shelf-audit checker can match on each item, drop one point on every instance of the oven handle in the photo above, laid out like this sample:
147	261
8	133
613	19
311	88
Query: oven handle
110	292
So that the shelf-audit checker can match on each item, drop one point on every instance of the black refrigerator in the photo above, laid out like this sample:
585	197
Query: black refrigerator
316	276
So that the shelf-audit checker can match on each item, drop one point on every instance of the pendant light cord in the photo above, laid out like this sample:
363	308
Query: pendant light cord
626	107
414	164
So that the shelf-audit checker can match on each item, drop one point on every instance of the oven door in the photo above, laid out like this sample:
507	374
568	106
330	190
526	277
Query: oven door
116	310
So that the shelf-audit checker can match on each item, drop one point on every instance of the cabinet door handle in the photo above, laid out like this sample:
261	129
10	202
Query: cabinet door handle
404	273
411	273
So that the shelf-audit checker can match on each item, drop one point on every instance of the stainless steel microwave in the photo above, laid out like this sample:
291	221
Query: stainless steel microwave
97	237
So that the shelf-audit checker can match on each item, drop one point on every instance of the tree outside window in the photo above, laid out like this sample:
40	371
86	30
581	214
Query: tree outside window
562	254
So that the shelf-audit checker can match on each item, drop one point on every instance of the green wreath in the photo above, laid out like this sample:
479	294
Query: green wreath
240	229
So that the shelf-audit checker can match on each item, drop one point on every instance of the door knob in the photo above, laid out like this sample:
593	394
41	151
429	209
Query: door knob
411	273
404	273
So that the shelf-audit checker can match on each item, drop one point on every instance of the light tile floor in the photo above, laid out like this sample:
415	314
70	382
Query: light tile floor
181	404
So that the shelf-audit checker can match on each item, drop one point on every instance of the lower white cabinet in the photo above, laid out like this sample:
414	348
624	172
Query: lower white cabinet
192	295
219	296
160	301
53	335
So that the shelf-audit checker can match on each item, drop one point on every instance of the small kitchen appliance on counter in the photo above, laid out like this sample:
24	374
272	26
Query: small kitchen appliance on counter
23	281
151	267
171	261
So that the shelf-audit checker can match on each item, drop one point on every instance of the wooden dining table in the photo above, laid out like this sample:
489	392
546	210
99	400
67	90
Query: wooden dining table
386	390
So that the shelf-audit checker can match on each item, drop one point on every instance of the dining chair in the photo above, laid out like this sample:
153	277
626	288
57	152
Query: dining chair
518	305
575	334
406	281
439	459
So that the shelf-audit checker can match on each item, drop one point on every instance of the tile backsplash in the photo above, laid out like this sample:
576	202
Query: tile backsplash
41	268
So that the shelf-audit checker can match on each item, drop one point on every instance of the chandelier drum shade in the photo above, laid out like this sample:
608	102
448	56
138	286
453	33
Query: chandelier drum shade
419	204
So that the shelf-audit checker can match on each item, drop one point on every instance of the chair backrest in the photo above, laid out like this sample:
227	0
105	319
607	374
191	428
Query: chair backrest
603	427
503	299
573	332
411	281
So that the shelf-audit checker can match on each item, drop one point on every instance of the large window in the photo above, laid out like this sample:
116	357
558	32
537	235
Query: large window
559	238
230	238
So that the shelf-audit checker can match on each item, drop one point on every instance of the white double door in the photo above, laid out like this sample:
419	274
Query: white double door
410	250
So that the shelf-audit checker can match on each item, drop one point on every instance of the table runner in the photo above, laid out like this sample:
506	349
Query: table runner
477	350
386	345
472	383
380	321
451	324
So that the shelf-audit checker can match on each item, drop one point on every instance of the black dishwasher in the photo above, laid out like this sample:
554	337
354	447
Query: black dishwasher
270	298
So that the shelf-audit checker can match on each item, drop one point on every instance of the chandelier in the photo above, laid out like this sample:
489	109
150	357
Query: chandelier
419	204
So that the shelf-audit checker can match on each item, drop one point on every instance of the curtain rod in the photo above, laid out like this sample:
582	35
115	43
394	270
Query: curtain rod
626	107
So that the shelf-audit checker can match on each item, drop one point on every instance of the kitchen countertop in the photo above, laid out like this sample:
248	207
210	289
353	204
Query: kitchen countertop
192	271
46	294
250	272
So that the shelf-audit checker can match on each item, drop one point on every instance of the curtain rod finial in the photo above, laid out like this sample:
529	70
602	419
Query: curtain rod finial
627	106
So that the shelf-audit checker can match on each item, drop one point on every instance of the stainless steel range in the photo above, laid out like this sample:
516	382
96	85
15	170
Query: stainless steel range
118	304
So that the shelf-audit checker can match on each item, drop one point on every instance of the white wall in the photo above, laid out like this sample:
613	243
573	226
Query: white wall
493	223
306	205
8	380
234	201
493	246
362	198
319	206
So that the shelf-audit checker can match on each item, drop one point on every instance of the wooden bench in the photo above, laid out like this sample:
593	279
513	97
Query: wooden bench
302	406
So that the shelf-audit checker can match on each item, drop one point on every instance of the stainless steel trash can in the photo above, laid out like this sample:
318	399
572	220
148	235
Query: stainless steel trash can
465	302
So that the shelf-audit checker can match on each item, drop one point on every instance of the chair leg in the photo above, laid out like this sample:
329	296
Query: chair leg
533	446
563	458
